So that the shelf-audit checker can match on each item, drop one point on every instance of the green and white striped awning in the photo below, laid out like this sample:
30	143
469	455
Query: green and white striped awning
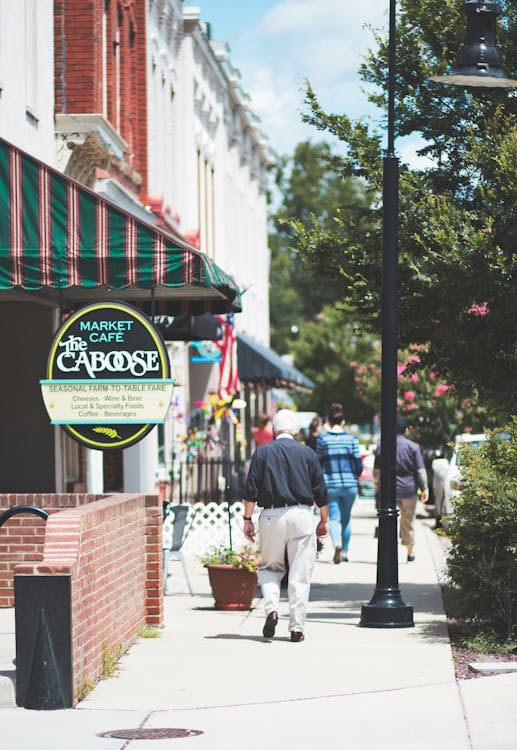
59	240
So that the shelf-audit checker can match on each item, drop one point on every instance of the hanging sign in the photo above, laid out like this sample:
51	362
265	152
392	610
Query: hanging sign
108	376
205	352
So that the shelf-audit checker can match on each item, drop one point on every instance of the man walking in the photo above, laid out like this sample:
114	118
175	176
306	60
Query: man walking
285	479
411	476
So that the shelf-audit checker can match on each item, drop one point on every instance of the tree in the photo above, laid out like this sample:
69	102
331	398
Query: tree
434	410
310	190
327	350
482	561
457	220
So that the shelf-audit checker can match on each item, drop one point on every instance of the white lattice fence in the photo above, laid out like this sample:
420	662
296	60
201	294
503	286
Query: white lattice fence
207	525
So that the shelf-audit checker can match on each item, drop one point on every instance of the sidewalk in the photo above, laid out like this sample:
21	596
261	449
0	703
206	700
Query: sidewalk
361	687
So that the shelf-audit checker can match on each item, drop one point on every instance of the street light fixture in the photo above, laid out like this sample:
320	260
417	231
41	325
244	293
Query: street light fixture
478	64
386	608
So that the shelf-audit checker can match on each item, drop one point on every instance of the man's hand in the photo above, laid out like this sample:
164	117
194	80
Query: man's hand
424	497
322	529
249	531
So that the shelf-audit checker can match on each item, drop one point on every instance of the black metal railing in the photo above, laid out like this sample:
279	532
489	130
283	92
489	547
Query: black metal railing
14	511
210	480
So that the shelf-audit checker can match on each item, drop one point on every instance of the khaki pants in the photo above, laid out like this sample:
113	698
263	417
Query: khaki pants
292	528
407	520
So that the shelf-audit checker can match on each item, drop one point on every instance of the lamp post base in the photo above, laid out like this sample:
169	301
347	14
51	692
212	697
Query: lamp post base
386	610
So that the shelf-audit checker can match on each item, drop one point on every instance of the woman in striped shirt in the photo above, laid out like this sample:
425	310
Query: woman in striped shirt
341	464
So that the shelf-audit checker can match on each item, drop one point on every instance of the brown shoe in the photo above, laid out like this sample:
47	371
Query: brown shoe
337	555
270	625
297	636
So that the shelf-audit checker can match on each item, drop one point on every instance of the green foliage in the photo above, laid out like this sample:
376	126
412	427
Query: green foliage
109	659
457	219
326	351
310	191
434	410
247	557
86	685
148	631
473	634
483	530
489	642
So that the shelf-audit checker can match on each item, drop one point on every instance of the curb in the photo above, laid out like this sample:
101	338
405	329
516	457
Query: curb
437	553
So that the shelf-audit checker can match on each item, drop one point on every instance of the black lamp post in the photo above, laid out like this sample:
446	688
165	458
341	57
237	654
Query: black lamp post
478	64
386	608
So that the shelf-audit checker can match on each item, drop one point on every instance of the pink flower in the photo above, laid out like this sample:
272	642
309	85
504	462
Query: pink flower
409	396
441	389
479	310
414	378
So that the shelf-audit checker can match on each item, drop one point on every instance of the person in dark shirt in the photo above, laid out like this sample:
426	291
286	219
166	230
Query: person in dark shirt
411	476
284	479
315	429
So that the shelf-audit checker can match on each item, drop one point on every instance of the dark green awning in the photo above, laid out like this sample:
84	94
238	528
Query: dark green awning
57	238
261	365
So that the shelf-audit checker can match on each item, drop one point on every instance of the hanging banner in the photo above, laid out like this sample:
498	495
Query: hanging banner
108	376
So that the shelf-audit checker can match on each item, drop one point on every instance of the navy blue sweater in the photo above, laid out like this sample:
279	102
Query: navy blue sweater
285	472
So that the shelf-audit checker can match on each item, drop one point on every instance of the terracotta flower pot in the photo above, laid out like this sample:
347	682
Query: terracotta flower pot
233	588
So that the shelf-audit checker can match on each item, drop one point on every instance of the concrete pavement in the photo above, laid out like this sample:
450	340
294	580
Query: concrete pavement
212	671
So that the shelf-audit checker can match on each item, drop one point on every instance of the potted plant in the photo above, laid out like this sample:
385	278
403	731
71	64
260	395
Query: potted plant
233	576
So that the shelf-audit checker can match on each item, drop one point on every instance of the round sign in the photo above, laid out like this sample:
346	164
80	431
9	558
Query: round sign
105	357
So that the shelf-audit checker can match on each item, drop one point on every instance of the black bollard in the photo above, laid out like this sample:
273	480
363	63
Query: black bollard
43	642
45	687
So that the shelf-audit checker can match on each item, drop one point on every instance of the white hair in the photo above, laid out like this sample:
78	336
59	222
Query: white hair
285	421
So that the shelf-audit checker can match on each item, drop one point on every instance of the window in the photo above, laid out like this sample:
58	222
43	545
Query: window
31	61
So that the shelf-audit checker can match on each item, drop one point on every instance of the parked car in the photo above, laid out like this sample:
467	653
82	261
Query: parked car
447	475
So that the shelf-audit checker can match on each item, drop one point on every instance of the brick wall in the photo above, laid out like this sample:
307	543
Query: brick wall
111	549
22	537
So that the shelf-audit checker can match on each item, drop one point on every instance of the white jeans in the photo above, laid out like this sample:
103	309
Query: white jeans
292	527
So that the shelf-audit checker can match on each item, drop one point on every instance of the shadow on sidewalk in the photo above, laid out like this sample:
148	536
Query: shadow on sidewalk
423	596
426	600
238	637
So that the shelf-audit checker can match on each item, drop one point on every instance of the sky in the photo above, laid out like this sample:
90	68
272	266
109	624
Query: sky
277	44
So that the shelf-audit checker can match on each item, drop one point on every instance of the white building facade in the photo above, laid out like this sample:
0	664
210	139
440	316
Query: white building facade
27	76
207	163
221	181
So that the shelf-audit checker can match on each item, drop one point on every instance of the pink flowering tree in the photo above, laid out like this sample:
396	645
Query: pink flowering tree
432	406
434	411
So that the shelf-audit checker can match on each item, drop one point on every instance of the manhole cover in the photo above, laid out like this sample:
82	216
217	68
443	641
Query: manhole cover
162	733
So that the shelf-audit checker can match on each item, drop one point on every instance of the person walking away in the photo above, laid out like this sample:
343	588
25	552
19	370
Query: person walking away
284	479
315	428
263	432
341	463
411	476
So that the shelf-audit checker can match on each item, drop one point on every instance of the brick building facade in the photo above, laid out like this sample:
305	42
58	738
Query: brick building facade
100	52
